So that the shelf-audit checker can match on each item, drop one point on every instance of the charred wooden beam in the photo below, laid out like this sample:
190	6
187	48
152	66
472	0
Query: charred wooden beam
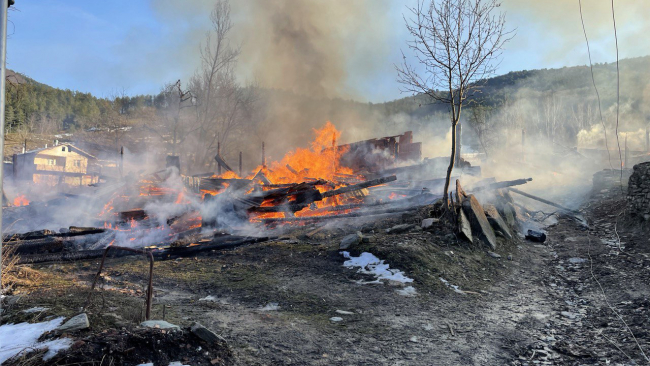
279	208
291	169
499	185
44	245
217	243
222	163
42	234
334	217
137	214
356	187
260	176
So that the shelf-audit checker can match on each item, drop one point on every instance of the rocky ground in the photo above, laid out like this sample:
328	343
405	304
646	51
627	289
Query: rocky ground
580	298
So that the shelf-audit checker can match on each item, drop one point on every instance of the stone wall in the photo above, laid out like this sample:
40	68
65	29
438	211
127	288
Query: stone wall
609	178
638	191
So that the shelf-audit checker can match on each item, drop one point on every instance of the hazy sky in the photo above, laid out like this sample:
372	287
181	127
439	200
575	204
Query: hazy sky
138	45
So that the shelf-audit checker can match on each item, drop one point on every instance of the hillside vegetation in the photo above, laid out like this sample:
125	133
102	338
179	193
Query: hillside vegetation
559	105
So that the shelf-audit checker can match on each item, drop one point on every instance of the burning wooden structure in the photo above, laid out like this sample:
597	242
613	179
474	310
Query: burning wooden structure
173	215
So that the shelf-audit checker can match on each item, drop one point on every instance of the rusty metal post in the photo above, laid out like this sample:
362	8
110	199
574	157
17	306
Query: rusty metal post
218	154
240	164
149	286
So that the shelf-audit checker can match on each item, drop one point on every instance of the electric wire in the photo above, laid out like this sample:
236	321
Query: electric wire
593	80
618	95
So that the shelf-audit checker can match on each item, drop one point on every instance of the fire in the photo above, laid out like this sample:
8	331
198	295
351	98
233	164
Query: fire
21	201
321	161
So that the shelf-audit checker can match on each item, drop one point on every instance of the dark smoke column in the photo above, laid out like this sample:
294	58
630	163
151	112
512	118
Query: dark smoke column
457	44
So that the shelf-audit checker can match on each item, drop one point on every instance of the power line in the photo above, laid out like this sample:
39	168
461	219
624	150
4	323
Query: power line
593	80
618	93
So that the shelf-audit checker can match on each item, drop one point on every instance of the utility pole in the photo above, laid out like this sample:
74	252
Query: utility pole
4	4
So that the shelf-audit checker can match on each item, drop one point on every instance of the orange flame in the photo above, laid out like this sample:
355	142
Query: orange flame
21	201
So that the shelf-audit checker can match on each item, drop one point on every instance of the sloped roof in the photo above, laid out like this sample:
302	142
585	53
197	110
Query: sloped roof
70	146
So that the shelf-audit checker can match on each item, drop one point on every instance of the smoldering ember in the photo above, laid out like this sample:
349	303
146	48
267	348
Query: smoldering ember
247	199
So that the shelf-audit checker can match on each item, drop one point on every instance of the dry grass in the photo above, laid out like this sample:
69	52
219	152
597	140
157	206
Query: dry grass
9	260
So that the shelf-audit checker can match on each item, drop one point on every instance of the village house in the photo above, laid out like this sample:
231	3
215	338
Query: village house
58	164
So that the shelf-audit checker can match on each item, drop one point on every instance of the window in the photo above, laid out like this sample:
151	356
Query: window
51	161
77	163
63	148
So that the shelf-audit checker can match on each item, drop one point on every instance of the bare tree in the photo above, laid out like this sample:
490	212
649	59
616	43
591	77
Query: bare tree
223	103
457	44
173	127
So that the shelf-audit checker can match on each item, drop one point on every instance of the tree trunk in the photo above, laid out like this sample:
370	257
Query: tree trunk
452	159
458	140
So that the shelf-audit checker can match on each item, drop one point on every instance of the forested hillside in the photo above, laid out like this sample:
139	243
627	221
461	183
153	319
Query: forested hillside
558	105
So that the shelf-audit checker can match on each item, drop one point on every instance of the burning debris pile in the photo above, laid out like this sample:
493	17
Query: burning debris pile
175	215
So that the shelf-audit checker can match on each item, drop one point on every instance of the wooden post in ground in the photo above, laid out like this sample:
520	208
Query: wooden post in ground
263	156
121	162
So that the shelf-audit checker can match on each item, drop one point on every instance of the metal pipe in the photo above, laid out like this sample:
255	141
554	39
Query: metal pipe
4	4
149	286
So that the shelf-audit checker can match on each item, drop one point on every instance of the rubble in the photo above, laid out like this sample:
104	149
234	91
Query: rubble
398	229
428	223
78	322
206	334
350	240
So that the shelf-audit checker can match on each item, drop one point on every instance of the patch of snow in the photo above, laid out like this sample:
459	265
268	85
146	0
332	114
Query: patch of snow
177	363
17	338
54	346
336	319
453	287
36	309
209	298
369	264
408	291
272	306
146	364
343	312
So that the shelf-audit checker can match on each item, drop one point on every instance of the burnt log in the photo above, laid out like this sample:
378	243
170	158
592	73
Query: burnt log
44	245
334	217
222	162
499	185
356	187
